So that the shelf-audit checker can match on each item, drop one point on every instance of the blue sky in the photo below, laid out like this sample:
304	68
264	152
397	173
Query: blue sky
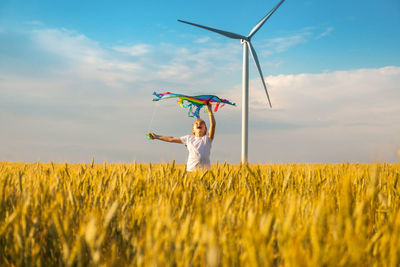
76	79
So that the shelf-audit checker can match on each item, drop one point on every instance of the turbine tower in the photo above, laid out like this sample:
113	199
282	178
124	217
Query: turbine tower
246	41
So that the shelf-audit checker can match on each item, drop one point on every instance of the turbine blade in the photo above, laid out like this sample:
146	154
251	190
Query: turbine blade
263	20
225	33
255	58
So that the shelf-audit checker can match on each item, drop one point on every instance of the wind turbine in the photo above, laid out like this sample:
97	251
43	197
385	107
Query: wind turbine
246	41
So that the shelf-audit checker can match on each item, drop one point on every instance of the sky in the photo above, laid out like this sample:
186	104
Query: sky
77	77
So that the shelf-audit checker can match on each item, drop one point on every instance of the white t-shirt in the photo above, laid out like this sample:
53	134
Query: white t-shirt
199	151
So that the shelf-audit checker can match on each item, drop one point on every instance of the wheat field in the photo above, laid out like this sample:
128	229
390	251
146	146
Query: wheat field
232	215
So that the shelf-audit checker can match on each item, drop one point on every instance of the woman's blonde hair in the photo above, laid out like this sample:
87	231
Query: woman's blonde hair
195	122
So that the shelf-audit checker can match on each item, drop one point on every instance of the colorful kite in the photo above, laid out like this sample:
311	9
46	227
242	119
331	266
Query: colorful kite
196	102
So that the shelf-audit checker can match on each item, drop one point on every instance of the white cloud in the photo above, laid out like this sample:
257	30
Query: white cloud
338	116
197	66
67	43
121	66
203	40
318	94
302	36
325	33
281	44
34	23
134	50
86	59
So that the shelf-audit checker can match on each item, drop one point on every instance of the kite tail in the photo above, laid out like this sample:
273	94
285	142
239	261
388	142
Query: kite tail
194	109
216	107
157	95
160	96
196	112
190	112
180	102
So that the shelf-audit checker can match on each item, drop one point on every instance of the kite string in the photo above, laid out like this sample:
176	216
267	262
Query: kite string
152	117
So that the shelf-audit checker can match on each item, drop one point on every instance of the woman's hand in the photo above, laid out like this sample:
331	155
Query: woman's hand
154	136
209	107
